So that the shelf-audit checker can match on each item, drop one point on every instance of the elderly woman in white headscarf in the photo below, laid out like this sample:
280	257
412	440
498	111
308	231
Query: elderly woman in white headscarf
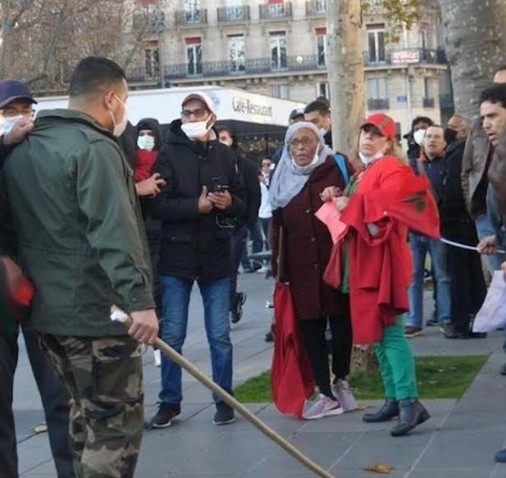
306	169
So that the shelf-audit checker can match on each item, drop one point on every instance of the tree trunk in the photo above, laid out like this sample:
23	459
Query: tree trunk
475	38
363	359
345	71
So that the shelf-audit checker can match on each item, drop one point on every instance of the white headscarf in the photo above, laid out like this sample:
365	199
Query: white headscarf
289	178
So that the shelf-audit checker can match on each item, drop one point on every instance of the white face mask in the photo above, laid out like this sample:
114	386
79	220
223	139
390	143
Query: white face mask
119	127
419	136
146	142
10	122
369	159
196	130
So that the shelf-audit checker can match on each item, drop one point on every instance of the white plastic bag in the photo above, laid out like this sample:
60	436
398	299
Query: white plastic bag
492	314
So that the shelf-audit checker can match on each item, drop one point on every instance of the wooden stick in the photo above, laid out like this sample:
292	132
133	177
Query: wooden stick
119	315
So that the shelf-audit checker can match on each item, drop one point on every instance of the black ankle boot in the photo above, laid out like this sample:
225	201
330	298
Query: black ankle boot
411	414
389	410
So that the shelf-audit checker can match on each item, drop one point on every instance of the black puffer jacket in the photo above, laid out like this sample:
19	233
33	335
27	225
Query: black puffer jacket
195	245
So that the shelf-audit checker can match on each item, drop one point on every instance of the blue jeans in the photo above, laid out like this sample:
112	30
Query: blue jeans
176	299
420	246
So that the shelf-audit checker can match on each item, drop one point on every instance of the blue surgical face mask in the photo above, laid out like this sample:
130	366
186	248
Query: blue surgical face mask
146	142
10	122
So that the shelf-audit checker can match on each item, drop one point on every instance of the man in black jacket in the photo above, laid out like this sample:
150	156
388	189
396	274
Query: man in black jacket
197	206
468	288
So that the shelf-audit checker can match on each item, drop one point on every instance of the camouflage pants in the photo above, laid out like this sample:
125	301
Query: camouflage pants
104	377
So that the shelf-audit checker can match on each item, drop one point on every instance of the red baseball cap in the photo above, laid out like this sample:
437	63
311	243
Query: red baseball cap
383	122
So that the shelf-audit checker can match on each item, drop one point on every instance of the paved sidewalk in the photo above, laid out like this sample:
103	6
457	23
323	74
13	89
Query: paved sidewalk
458	442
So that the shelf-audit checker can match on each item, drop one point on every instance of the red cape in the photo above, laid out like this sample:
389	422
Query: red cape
393	199
291	376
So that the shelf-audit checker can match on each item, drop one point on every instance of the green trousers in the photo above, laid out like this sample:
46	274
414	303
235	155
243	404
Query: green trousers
396	363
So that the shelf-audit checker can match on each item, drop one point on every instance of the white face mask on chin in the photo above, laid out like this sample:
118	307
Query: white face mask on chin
369	159
195	130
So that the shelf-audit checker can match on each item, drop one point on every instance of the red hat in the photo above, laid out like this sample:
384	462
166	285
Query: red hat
383	122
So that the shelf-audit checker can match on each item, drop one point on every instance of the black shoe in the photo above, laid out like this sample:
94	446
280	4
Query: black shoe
432	322
389	410
165	415
411	414
269	336
477	335
240	299
449	332
224	414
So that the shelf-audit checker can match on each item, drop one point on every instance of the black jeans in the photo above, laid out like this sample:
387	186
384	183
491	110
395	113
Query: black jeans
237	248
313	333
8	362
468	288
55	401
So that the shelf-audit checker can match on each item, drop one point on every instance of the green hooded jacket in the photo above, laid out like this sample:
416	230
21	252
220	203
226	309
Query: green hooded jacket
72	198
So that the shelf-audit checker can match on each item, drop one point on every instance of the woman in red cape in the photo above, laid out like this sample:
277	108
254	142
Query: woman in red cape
383	201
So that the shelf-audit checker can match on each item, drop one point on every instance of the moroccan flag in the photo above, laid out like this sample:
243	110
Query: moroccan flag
291	376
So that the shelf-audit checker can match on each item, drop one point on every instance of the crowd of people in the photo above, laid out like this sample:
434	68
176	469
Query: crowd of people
97	212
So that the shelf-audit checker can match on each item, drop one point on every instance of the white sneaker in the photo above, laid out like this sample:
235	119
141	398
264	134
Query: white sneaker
323	407
342	391
158	357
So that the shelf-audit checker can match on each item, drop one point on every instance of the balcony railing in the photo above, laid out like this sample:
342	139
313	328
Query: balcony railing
408	56
446	102
316	8
428	102
233	14
276	11
150	22
378	104
255	66
191	17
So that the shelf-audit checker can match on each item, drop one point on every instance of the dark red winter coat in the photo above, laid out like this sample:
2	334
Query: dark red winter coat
307	244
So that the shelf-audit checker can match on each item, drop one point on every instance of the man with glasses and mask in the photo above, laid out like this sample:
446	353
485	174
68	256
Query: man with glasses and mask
81	242
202	195
16	112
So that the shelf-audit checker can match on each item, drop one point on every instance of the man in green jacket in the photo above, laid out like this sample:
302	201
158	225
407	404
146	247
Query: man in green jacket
72	197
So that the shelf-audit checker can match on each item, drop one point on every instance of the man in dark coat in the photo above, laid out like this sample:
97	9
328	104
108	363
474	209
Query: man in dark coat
197	206
468	287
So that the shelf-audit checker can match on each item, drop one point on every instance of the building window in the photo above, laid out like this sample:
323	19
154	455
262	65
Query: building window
281	91
192	11
376	43
278	50
236	53
322	89
321	46
152	59
428	93
194	55
377	94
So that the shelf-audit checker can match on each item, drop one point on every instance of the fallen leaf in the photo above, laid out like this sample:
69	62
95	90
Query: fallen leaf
40	428
381	468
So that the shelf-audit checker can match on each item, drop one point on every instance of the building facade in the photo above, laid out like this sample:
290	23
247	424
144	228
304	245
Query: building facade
279	48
